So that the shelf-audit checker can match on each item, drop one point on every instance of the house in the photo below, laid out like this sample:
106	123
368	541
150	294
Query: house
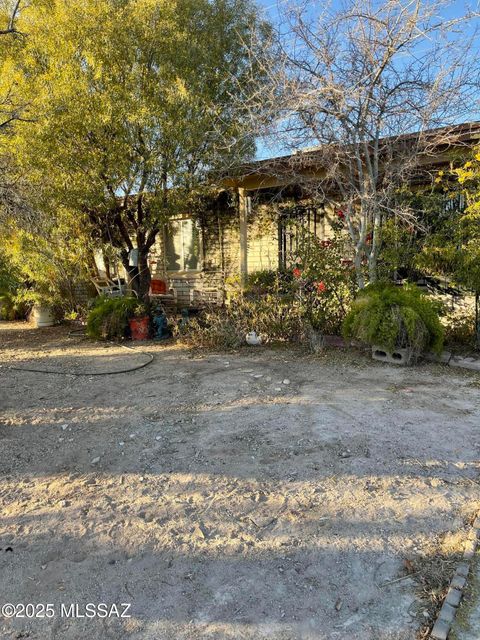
246	228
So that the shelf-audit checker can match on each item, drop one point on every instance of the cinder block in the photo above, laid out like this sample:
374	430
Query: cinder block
398	356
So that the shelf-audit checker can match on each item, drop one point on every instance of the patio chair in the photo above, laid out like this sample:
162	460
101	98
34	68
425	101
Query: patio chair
109	288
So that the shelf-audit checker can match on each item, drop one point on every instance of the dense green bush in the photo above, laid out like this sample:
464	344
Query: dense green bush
395	317
50	269
109	317
12	304
273	317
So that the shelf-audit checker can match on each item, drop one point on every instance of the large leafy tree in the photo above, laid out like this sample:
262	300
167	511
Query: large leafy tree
131	109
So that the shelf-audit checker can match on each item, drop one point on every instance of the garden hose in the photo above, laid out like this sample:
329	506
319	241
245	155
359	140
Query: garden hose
78	333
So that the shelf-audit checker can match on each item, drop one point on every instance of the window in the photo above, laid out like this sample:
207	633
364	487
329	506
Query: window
312	219
182	245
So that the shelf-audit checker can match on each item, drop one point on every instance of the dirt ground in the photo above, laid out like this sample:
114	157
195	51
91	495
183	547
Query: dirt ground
264	494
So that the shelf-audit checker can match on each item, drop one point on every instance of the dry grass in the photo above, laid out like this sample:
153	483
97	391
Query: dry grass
434	570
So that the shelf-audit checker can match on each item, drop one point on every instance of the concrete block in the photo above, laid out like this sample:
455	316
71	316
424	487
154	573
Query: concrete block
447	613
458	582
440	630
453	597
398	356
463	569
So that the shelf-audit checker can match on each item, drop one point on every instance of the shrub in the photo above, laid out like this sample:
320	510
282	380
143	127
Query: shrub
109	317
273	317
325	279
49	267
12	304
395	317
269	281
459	326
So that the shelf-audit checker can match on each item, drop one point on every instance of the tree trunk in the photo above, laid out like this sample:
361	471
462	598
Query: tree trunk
132	273
358	267
144	275
477	318
372	268
374	248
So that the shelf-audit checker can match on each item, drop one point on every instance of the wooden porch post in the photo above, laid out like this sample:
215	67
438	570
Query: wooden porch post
243	212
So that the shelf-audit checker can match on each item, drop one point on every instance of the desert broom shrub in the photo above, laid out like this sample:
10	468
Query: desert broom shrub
275	318
395	317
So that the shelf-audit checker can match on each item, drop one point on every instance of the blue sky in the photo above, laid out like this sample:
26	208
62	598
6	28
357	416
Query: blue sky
273	9
456	7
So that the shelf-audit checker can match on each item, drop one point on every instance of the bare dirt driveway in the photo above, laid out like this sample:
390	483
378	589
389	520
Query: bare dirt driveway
264	494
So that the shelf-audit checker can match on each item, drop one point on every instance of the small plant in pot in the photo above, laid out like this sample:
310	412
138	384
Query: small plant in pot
400	323
139	322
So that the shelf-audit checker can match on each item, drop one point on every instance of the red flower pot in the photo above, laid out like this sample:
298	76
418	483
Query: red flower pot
139	328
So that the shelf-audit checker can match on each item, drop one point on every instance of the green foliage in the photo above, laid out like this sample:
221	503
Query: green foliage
272	316
395	317
325	279
453	249
47	265
400	243
108	319
12	306
132	109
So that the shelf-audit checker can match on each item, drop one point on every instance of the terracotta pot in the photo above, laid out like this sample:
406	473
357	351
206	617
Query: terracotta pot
139	328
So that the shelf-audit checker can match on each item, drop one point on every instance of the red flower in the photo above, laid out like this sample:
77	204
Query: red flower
341	215
296	272
321	286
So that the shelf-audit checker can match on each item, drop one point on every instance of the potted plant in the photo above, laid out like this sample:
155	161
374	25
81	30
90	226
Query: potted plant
42	315
42	308
400	323
139	322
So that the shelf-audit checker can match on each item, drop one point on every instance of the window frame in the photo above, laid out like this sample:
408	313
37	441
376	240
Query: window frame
183	271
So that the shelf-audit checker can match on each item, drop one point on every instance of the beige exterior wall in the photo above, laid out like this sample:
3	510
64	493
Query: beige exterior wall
224	257
262	239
